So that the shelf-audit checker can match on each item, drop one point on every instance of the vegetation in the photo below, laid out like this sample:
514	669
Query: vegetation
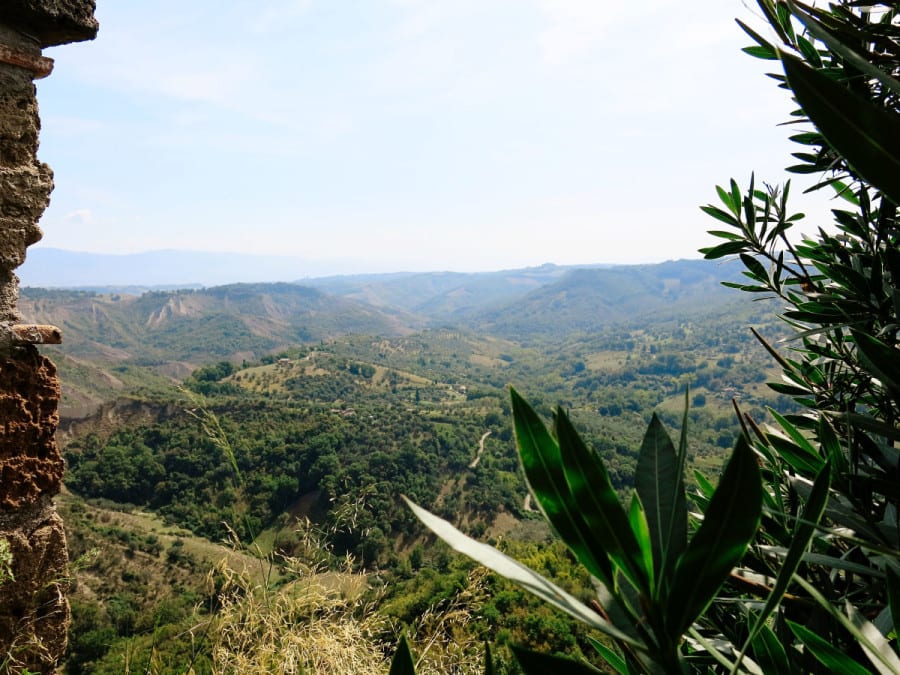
823	524
326	432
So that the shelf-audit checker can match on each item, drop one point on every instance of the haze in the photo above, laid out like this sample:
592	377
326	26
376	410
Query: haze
415	135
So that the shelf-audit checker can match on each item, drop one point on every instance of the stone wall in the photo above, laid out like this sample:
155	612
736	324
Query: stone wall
34	614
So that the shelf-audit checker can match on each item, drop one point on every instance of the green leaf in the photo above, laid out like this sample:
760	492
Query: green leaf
725	196
810	53
706	488
720	251
542	463
803	533
729	523
637	518
598	504
829	656
515	571
537	663
871	424
488	660
798	452
613	660
866	135
659	482
769	653
831	446
881	359
869	638
719	214
766	53
876	647
893	589
402	663
765	47
722	234
755	267
858	61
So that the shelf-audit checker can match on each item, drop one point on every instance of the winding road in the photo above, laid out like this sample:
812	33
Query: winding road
480	450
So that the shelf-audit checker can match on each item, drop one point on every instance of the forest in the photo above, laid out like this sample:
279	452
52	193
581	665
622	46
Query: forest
331	433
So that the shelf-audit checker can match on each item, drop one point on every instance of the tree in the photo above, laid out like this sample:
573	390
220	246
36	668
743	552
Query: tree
817	589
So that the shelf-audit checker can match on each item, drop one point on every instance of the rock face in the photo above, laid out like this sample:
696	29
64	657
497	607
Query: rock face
34	613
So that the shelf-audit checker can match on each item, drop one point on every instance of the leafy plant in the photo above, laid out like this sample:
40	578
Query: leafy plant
817	588
841	292
654	582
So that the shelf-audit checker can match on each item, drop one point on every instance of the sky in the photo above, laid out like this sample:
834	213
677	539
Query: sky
414	135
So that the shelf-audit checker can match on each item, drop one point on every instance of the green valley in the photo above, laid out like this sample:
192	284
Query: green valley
234	415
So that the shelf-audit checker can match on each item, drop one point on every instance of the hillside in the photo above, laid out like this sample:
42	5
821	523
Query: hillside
587	300
443	296
107	336
297	404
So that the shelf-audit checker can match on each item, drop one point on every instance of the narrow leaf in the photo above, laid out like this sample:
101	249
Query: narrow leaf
542	464
538	663
803	533
755	267
880	358
598	504
729	523
725	196
865	134
515	571
858	61
829	656
613	660
769	653
893	588
876	647
402	663
659	482
719	214
637	518
885	661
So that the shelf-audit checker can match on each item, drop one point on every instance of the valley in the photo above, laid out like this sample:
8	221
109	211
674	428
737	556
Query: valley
228	427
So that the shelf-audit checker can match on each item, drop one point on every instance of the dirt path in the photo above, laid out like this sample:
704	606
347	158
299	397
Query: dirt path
480	450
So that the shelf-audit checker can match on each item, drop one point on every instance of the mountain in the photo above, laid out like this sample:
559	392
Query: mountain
200	326
585	300
442	296
115	342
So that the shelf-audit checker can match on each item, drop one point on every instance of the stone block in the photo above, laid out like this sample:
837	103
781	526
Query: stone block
52	22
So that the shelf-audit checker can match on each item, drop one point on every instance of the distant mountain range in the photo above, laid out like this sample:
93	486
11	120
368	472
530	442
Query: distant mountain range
169	333
198	325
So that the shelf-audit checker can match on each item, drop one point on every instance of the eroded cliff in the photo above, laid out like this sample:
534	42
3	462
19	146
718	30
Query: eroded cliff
34	614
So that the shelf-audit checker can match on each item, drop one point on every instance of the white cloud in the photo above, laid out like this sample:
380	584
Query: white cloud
79	217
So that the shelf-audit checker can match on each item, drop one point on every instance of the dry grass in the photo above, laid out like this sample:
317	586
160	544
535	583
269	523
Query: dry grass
319	622
326	621
441	639
308	626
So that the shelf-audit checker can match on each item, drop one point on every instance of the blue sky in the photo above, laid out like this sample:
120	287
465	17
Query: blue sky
406	134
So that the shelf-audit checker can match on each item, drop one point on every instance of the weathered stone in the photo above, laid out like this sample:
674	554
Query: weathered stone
30	463
52	22
34	613
25	193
